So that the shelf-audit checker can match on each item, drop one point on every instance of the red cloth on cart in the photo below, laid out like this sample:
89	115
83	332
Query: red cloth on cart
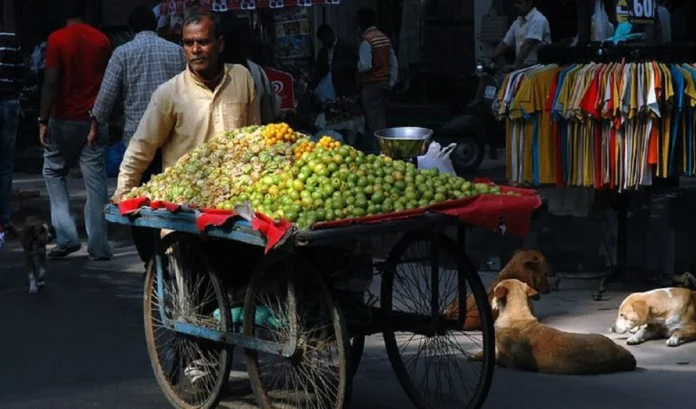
492	212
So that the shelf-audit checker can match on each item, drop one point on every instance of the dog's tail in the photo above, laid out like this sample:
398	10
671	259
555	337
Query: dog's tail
12	232
626	360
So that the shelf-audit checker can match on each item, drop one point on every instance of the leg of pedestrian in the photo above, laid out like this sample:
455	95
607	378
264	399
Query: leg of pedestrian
9	123
93	167
60	155
375	115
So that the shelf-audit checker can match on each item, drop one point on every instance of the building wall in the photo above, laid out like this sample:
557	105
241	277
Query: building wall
115	12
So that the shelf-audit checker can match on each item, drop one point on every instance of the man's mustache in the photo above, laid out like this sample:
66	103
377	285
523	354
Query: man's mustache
199	58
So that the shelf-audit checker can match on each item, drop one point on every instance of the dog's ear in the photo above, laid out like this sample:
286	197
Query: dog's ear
499	295
533	294
641	309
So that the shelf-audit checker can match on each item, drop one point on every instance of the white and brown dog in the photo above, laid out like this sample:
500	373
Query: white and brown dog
658	314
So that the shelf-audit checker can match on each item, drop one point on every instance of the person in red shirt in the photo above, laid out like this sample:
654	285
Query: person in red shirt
76	59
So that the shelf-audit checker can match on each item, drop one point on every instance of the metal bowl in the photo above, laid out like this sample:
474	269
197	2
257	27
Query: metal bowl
404	142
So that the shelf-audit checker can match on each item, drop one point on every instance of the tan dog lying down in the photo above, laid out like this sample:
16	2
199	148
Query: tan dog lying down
528	266
523	343
662	313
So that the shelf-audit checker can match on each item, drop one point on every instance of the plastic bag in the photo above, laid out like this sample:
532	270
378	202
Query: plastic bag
438	157
114	156
602	29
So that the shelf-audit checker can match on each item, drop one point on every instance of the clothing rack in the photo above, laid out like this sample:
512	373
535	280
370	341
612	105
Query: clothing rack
623	53
608	52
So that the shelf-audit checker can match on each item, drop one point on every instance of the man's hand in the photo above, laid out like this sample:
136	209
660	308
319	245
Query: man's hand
43	134
93	134
115	200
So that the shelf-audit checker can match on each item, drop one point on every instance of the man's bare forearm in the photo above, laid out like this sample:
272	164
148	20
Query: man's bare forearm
524	52
49	95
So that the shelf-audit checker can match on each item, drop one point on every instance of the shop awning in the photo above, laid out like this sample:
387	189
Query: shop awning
177	7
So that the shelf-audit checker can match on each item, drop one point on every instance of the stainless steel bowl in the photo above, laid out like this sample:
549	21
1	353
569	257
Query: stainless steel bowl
404	142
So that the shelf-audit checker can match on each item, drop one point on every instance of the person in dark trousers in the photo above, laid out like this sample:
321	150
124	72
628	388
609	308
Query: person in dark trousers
76	59
378	70
12	76
335	67
134	72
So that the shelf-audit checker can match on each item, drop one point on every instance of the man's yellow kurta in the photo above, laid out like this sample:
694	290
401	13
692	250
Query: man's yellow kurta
182	115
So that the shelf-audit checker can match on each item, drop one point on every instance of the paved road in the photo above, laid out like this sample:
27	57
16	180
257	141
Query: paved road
79	344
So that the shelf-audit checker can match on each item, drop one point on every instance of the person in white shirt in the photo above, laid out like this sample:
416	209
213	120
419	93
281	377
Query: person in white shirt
529	32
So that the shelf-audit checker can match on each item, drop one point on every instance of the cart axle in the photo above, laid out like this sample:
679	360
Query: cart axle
253	343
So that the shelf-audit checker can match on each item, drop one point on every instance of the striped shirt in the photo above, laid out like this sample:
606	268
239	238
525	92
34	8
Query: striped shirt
134	72
12	73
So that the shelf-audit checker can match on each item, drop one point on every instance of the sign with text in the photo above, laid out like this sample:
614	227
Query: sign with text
283	86
636	11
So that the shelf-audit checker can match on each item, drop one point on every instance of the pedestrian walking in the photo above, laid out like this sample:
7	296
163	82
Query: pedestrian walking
379	71
134	72
76	58
12	76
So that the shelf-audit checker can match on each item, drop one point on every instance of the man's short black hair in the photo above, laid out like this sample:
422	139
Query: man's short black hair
324	30
78	10
142	19
196	16
367	17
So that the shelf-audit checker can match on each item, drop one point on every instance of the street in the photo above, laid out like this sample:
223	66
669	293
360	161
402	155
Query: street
80	344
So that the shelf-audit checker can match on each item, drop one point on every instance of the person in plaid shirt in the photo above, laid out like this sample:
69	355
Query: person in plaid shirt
134	72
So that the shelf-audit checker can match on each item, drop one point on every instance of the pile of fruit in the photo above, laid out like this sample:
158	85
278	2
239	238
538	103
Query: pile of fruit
285	175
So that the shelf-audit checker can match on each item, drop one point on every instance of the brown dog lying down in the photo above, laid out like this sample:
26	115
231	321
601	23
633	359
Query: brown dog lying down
523	343
528	266
662	313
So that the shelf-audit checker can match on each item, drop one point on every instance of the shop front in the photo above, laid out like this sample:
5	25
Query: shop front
605	131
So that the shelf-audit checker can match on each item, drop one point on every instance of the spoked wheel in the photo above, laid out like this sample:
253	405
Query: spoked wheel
191	371
432	356
288	302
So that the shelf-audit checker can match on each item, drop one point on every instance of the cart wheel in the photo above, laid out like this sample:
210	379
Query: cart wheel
192	372
433	360
287	301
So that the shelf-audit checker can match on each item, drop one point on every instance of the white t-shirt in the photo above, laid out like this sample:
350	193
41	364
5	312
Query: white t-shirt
161	20
533	26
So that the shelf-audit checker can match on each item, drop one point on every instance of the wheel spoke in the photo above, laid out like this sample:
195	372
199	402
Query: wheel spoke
191	371
316	376
434	367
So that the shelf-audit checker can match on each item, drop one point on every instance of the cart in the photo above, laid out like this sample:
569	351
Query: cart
222	280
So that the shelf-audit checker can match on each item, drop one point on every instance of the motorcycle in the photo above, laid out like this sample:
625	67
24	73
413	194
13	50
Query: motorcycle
477	126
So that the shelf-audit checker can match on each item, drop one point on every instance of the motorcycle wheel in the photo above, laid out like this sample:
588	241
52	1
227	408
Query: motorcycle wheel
468	155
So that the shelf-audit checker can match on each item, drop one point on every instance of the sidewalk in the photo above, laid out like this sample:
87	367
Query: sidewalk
30	197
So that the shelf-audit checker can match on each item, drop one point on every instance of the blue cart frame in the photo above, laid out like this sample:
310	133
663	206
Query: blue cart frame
429	225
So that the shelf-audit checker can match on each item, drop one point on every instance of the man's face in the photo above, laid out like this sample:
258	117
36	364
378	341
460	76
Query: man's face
524	6
201	46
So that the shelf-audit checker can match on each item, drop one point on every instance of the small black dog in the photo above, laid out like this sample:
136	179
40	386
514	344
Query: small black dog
34	237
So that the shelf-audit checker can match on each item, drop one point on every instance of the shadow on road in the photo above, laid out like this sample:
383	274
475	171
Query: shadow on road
79	342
